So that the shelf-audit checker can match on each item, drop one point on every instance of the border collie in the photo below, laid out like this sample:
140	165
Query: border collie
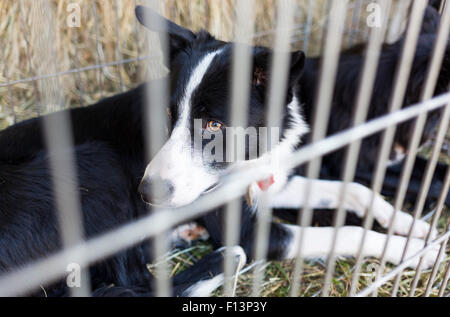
116	183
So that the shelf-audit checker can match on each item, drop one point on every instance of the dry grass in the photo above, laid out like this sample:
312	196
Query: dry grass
25	54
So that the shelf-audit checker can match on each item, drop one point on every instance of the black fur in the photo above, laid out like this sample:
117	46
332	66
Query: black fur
110	162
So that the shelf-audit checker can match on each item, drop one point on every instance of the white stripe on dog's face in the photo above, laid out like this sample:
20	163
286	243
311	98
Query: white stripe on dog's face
177	163
195	81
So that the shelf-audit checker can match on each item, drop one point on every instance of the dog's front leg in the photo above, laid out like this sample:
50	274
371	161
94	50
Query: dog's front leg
325	195
317	243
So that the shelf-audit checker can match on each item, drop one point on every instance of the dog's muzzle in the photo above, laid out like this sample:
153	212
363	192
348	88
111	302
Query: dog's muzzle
156	191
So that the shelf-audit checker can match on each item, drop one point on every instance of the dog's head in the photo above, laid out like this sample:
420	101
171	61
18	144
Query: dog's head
195	157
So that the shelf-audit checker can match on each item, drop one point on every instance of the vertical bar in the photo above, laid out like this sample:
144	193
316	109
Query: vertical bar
333	43
263	221
6	73
98	45
58	135
326	7
77	62
328	76
240	88
156	124
444	282
138	49
30	64
207	14
396	24
232	237
172	10
358	6
308	26
365	30
119	67
442	7
275	102
189	15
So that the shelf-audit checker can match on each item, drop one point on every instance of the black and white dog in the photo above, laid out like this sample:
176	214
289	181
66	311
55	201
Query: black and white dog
115	179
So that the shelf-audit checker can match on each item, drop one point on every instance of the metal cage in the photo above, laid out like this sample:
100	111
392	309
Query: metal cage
44	86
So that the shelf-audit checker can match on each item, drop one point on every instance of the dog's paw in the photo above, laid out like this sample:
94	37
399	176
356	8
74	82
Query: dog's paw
185	235
403	223
429	259
397	247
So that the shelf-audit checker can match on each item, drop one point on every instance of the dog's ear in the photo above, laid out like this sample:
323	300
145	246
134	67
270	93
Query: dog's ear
261	66
179	37
297	66
261	70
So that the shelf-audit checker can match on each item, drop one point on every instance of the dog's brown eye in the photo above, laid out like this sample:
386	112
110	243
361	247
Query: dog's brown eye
213	126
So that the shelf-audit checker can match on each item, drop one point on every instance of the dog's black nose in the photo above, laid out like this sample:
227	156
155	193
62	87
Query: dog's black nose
156	191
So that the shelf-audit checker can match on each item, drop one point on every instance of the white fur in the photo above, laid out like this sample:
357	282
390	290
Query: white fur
318	241
194	81
204	288
325	195
292	135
